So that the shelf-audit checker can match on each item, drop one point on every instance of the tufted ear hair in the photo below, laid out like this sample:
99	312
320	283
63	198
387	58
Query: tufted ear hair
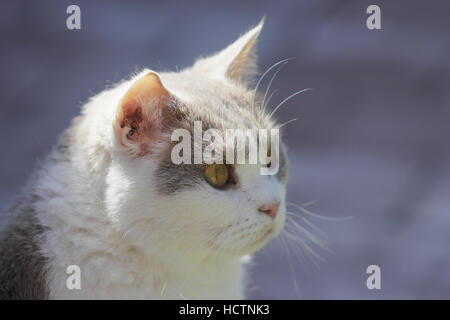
142	113
238	61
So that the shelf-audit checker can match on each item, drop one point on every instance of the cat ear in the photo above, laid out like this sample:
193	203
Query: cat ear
142	113
238	61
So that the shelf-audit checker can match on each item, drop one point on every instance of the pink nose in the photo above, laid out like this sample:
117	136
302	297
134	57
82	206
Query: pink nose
271	210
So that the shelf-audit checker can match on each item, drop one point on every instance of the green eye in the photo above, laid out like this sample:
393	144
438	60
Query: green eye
216	175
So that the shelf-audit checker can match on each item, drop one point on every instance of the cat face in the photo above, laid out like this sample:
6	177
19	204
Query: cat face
201	210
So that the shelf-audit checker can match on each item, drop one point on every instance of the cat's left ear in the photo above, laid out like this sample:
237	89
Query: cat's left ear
238	61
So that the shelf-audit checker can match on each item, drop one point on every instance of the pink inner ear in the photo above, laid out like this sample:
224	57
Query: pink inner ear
141	111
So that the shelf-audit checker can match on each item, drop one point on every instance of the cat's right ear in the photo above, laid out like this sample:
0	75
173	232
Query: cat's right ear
238	61
142	114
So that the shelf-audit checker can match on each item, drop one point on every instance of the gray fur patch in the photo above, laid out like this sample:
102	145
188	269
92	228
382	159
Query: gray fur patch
175	177
283	169
172	177
22	266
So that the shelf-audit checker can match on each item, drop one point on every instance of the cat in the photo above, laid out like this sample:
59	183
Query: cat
109	200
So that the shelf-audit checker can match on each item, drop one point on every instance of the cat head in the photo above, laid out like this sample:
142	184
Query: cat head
201	210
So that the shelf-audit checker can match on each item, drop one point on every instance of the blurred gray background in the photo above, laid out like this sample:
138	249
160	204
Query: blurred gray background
371	141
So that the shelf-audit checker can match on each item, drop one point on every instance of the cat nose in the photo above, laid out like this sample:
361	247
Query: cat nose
271	209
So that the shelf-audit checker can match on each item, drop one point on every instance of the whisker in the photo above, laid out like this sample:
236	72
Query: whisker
309	223
310	253
309	203
298	252
291	267
312	214
294	232
287	99
268	100
271	80
262	77
315	240
313	226
314	254
287	122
